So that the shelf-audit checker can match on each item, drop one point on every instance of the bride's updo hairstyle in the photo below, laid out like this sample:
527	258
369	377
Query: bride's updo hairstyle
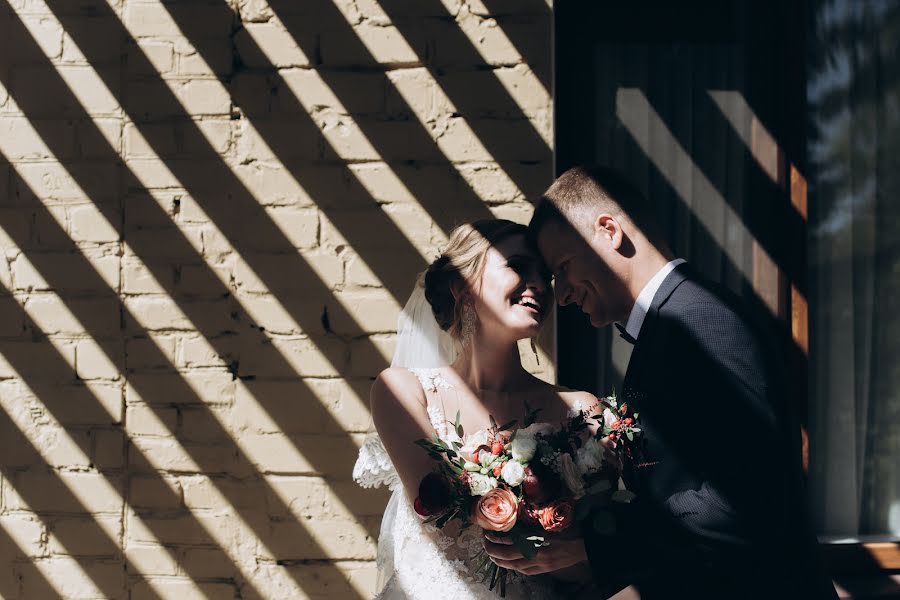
460	267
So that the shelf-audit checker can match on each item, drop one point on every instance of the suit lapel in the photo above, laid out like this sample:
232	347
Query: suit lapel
645	342
642	373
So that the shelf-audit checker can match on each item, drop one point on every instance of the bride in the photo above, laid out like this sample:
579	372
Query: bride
457	350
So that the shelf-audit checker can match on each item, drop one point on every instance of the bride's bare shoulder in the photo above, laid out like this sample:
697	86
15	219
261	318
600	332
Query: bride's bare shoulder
396	386
574	399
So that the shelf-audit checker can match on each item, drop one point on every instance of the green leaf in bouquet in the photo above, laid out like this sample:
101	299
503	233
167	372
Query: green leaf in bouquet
530	415
445	517
583	508
598	488
636	415
608	405
630	436
623	496
495	572
635	428
604	523
508	425
526	547
457	445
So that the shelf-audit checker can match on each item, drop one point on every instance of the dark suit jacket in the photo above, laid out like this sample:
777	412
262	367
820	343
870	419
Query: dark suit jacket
720	508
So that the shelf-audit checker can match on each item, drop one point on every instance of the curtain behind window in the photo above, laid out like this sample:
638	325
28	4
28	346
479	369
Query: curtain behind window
854	235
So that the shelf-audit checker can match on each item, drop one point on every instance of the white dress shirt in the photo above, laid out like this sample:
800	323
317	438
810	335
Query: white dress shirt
645	298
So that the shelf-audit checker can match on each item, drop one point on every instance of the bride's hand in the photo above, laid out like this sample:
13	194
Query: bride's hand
560	554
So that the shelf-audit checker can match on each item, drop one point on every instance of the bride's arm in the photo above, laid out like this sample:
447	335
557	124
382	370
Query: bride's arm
399	411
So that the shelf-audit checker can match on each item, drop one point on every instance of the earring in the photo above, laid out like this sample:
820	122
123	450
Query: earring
467	330
534	349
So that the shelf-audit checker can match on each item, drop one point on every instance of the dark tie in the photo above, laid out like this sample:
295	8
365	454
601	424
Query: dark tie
625	335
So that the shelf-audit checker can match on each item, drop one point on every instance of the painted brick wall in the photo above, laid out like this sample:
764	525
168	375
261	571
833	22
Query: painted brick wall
210	216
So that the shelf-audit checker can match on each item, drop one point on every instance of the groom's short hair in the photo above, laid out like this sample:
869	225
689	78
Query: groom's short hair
601	188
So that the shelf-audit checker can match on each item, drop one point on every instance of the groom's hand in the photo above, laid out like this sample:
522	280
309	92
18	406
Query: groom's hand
560	554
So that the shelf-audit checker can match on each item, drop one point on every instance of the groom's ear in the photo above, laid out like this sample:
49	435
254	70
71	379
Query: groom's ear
609	228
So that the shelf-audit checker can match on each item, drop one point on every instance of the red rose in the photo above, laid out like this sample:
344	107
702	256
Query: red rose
539	484
628	421
417	506
496	448
556	516
434	493
527	515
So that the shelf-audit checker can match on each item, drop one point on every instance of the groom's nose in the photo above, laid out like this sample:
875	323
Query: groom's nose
562	291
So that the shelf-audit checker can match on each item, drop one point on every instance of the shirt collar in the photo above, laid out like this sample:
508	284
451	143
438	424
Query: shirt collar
645	298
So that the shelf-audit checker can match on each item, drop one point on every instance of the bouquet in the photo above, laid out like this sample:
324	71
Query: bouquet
531	483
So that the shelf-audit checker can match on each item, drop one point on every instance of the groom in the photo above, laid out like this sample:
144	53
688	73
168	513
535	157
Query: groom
720	509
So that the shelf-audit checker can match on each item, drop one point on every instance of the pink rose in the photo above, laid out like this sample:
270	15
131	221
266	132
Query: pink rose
496	510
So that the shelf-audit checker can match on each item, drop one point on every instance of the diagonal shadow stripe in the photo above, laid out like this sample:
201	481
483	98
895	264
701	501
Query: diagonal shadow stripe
766	202
52	495
511	141
395	270
217	323
39	586
325	458
705	239
46	359
178	393
509	14
417	145
770	203
209	180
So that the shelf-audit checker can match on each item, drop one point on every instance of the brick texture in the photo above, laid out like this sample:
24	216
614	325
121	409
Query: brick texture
210	215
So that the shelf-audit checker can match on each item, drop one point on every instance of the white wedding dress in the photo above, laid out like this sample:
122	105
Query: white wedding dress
417	560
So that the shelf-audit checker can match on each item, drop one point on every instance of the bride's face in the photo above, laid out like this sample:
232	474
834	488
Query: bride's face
514	296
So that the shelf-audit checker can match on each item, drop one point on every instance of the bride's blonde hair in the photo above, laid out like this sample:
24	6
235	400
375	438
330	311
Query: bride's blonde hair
450	277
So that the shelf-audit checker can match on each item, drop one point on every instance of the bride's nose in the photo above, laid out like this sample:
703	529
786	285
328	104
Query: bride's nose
536	282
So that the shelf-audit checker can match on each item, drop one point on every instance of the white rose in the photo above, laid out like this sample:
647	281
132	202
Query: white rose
589	458
473	442
537	429
479	484
513	472
522	447
568	472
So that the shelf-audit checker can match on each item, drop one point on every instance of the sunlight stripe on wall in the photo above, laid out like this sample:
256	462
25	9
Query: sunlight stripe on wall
338	127
644	124
388	47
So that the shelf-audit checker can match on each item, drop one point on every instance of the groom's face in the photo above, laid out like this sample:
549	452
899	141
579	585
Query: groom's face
582	272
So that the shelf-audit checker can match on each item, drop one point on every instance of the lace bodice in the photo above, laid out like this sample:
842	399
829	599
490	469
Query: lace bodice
418	560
